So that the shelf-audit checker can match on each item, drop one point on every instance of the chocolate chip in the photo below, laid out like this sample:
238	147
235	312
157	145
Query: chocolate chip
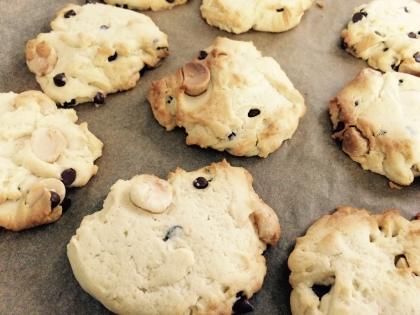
417	56
356	103
395	67
405	9
65	205
232	135
88	1
113	57
320	290
169	99
68	176
104	27
171	232
99	98
253	112
69	104
170	1
340	127
280	10
363	12
60	79
385	49
242	306
202	55
69	13
200	183
55	199
412	35
357	17
401	80
343	44
377	33
382	132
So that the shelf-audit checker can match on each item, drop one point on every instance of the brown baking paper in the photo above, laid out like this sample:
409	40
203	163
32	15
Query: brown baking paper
307	177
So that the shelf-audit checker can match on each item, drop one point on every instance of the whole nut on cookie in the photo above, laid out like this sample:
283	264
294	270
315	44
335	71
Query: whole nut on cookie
41	57
354	143
38	190
196	78
48	144
151	193
47	106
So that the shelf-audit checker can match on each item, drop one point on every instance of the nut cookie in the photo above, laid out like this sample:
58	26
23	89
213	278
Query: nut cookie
190	245
229	98
154	5
376	117
42	151
94	50
353	262
386	33
261	15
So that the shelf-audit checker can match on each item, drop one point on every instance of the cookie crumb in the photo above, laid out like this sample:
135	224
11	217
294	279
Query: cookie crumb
392	185
320	4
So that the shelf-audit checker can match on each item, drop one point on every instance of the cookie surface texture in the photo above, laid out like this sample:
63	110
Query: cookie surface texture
154	5
386	34
42	151
376	117
229	98
261	15
93	50
353	262
197	254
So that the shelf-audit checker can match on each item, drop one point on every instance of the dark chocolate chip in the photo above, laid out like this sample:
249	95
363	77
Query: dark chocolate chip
60	79
169	99
171	232
395	67
401	80
202	55
232	135
418	33
242	306
253	112
320	290
343	44
69	104
104	27
113	57
99	98
386	48
170	1
88	1
356	103
280	10
405	9
68	176
412	35
416	56
65	205
200	183
357	17
382	132
69	13
340	127
377	33
363	12
55	199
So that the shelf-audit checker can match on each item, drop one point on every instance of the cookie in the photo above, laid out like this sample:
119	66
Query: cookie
354	262
93	50
376	117
42	151
154	5
229	98
261	15
386	34
191	244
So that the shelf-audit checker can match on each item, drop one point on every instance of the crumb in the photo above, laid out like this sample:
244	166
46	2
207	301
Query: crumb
321	4
392	185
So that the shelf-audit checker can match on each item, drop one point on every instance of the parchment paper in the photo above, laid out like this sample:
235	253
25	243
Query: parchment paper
307	177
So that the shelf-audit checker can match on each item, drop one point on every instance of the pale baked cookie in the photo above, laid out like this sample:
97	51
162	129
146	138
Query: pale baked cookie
42	151
154	5
237	16
94	50
353	262
229	98
190	245
376	116
386	33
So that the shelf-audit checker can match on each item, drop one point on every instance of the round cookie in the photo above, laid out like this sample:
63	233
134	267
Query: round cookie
238	16
94	50
154	5
42	151
353	262
386	33
376	117
229	98
190	245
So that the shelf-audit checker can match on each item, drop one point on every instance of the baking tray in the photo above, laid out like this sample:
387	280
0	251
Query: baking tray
307	177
